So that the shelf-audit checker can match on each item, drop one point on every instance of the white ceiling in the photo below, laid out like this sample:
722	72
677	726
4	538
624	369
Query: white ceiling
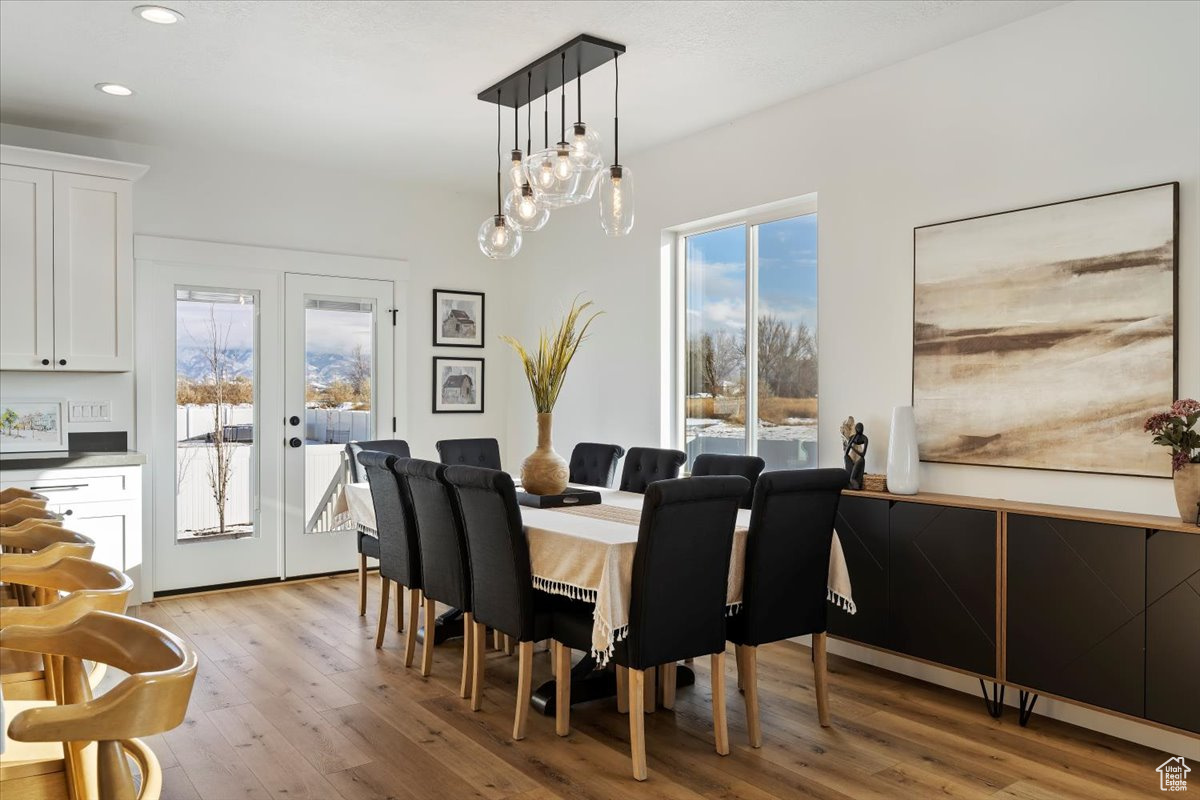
389	87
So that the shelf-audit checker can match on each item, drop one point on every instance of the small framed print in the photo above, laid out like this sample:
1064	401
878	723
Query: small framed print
457	318
32	426
457	385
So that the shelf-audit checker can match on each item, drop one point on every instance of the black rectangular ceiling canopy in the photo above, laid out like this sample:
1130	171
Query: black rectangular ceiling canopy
584	53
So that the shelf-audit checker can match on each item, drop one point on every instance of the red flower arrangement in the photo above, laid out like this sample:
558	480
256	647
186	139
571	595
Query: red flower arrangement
1176	429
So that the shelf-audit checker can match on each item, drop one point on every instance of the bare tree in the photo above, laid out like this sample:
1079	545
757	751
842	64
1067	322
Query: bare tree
360	374
787	358
218	361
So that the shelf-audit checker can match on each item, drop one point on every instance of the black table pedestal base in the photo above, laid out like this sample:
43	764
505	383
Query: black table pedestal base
449	625
589	683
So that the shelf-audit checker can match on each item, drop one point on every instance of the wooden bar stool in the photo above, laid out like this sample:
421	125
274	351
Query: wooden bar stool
21	512
15	493
95	738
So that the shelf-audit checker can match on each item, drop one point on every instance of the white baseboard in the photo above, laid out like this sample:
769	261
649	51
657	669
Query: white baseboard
1176	744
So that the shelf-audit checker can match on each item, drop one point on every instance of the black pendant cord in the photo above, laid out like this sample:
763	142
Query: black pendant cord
516	127
499	204
545	117
616	111
578	93
529	112
563	115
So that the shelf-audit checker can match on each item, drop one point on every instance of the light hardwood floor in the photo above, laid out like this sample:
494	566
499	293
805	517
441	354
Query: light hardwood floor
293	701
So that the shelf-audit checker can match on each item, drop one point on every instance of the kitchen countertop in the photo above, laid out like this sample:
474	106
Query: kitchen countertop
71	460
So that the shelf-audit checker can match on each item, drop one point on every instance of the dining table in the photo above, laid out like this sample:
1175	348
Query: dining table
585	552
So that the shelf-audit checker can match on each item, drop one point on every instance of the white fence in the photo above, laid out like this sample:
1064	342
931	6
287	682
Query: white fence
321	425
195	508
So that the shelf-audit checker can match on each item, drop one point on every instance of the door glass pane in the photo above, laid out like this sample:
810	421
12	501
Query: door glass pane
715	334
787	342
339	361
216	464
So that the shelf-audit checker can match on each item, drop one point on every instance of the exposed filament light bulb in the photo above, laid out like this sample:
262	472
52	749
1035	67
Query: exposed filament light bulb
562	163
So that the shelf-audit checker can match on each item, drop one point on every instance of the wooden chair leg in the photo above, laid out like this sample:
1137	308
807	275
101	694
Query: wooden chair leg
495	639
622	690
821	679
738	653
749	667
468	663
427	647
478	657
524	687
410	638
399	608
720	728
637	723
362	585
384	593
509	645
562	689
668	684
649	685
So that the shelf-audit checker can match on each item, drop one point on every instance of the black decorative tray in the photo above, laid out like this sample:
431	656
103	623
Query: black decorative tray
571	497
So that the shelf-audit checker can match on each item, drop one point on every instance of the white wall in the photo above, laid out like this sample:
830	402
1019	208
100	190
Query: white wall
223	198
1083	99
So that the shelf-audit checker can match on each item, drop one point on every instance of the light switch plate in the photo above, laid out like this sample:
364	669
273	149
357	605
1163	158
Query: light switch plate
89	411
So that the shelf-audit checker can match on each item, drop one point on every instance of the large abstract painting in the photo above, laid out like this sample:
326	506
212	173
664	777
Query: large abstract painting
1044	337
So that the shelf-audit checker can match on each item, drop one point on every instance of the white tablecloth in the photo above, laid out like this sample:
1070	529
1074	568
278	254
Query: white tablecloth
591	559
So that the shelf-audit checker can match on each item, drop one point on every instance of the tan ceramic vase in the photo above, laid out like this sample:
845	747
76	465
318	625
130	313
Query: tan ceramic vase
544	471
1187	491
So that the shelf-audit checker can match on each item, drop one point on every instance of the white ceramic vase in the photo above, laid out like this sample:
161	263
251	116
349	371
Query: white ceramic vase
903	463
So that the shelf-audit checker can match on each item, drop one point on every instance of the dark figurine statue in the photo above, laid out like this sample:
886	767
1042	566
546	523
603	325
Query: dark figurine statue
855	453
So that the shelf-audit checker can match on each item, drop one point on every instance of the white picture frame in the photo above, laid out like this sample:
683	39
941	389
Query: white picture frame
33	425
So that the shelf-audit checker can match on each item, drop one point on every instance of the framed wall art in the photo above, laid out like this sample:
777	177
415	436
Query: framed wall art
457	385
457	318
1044	337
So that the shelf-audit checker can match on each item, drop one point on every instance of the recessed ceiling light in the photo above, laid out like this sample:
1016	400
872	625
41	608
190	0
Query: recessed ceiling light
114	89
159	15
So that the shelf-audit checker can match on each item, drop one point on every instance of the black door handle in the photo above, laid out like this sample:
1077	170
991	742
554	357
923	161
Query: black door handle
295	441
293	420
62	362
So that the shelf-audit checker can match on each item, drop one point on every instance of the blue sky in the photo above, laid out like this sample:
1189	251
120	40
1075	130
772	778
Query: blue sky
787	274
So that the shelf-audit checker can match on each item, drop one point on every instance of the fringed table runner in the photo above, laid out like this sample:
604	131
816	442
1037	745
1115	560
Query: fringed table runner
586	553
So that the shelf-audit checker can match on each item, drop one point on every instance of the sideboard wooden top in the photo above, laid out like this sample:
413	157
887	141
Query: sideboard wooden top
1151	521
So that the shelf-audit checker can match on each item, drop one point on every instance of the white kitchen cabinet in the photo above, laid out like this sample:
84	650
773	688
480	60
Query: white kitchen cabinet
66	250
103	503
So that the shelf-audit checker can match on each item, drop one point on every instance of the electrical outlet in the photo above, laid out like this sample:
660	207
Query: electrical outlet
89	411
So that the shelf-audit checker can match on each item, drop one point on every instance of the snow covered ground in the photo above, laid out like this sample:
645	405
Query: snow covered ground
798	430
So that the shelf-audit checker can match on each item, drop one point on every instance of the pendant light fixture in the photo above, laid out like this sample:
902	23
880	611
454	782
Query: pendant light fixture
565	173
498	237
616	184
555	179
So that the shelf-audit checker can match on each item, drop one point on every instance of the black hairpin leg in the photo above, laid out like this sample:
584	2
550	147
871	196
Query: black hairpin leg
1025	711
995	704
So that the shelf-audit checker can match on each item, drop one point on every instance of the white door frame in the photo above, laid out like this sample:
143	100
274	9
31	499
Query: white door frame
153	252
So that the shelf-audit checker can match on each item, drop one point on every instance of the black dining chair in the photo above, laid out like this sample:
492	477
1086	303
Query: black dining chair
786	576
645	465
678	597
749	467
443	548
368	545
502	592
595	464
470	452
399	554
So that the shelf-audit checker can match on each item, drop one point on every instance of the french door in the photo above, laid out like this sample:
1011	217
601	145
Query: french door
259	379
337	388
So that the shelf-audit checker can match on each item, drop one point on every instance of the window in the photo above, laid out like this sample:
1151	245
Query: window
749	339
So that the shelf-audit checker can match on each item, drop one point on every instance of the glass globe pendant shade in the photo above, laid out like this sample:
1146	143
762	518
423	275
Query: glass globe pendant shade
516	172
524	211
555	180
499	238
616	200
585	145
